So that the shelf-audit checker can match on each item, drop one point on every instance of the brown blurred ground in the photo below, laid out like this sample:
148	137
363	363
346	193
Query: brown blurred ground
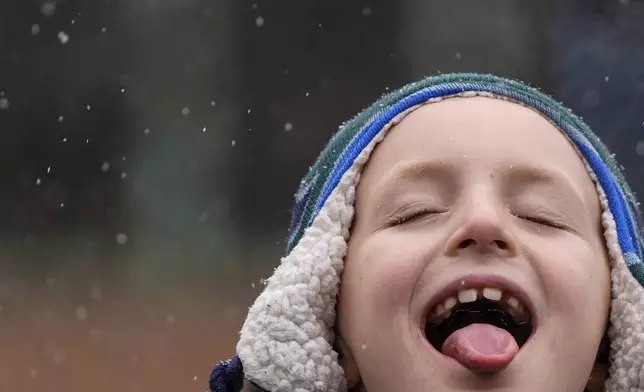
118	339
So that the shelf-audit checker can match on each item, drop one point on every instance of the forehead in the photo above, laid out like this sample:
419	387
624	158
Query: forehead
478	134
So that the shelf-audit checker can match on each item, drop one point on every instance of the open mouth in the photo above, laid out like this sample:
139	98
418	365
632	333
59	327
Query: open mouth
479	316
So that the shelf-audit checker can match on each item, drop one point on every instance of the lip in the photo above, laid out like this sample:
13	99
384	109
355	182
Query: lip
479	281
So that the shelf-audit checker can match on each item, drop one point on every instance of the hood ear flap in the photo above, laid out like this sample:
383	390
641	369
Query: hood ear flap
626	332
626	320
286	343
348	363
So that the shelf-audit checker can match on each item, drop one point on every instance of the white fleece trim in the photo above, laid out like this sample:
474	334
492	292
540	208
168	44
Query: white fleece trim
626	329
286	342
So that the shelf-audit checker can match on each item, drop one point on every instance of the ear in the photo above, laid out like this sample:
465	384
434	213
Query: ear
250	387
598	377
599	374
348	363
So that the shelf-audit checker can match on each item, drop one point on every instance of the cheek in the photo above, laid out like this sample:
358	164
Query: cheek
576	277
379	277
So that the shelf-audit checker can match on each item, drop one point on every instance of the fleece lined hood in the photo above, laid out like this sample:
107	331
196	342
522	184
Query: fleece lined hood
286	342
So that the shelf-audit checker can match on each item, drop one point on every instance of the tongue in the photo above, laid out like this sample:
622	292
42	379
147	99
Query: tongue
482	348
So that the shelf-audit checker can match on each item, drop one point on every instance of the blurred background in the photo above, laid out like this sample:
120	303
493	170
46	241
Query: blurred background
150	150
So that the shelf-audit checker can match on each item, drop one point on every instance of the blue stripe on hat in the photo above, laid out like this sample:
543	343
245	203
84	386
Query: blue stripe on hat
626	232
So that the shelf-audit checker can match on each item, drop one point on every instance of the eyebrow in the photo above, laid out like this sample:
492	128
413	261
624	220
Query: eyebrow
532	174
412	172
418	170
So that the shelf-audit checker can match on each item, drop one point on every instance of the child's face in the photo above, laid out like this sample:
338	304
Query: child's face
485	193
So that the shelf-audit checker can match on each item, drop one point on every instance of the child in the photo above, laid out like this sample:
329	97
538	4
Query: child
475	247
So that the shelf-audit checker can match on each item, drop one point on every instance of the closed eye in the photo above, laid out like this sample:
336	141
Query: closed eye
408	217
543	221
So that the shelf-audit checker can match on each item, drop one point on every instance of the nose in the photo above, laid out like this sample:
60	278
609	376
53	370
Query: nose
483	231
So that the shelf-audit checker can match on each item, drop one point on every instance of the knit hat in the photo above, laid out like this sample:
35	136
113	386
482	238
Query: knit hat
286	342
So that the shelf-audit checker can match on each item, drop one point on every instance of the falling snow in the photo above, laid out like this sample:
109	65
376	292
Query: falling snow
59	357
95	334
4	103
232	143
96	293
35	29
185	111
259	21
81	313
146	131
121	238
639	148
63	37
288	127
105	167
366	11
48	8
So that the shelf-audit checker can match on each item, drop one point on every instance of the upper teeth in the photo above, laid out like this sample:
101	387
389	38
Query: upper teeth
465	296
450	303
444	309
492	294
